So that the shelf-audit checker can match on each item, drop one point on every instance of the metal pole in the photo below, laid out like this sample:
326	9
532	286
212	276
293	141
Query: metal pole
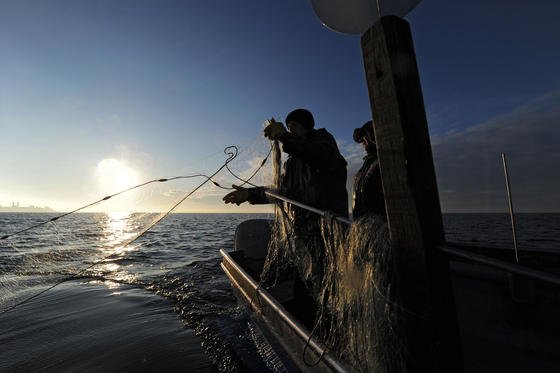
506	175
306	207
506	266
482	259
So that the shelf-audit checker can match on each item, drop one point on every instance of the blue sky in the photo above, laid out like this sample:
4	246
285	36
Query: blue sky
163	86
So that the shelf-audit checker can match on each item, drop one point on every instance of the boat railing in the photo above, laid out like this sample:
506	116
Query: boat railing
307	207
449	249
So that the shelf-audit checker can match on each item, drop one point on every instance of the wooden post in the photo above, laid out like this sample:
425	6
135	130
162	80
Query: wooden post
429	326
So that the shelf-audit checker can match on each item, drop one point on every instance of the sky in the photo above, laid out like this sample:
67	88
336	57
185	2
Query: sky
98	95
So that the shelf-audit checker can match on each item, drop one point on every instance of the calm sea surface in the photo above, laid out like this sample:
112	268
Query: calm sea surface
161	302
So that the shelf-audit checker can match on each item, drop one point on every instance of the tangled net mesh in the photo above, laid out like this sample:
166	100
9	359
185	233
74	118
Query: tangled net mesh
358	296
358	315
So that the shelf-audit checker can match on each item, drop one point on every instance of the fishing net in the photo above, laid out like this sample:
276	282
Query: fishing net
348	271
121	238
295	244
357	295
91	244
357	313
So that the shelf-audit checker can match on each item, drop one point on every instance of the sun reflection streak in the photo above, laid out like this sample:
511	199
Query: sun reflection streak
118	229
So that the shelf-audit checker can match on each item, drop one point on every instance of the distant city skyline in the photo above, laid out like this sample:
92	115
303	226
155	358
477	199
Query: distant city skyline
15	207
97	96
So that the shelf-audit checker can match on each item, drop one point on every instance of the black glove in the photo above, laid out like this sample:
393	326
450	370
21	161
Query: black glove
238	196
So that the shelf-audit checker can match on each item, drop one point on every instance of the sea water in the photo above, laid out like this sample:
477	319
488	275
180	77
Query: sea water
163	303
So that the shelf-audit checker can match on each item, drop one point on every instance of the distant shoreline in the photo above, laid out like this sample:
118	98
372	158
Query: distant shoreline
25	209
18	210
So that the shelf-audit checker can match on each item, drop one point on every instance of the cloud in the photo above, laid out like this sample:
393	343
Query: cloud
174	193
208	190
467	161
354	154
209	196
469	166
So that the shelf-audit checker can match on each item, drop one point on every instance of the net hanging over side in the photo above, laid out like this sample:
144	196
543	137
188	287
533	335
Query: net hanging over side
279	259
358	299
358	313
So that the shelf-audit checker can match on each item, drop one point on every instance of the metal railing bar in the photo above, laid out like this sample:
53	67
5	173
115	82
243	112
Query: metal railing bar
306	207
496	263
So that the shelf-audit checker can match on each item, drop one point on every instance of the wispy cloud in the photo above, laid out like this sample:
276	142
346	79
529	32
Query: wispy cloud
354	154
467	161
174	193
469	166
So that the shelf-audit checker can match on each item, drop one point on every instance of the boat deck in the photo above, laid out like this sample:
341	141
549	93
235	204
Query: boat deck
498	333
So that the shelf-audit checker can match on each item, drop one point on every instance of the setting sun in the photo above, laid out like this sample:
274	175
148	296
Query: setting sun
114	175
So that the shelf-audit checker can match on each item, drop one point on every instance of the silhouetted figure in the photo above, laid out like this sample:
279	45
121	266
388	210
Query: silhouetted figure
314	174
367	194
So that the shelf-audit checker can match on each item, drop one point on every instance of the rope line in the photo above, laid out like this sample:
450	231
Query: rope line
52	220
230	151
248	181
161	180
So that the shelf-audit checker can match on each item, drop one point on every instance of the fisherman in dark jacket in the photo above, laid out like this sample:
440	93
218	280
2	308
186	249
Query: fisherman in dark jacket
367	194
313	174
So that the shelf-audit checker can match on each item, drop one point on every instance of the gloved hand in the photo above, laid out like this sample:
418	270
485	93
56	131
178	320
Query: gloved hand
274	130
238	196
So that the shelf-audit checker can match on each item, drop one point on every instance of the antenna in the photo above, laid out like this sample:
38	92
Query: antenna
506	175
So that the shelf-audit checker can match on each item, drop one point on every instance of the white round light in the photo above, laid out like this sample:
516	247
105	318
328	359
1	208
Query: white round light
114	175
356	16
